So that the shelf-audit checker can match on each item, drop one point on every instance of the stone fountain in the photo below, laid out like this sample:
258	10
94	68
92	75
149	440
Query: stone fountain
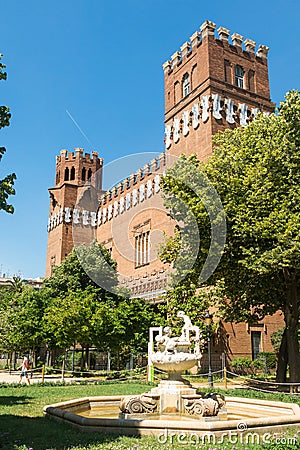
175	395
174	407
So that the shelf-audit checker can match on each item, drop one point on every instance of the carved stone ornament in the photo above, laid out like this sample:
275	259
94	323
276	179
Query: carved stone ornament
168	136
204	407
229	110
243	114
93	219
205	108
176	130
139	404
186	119
195	111
216	106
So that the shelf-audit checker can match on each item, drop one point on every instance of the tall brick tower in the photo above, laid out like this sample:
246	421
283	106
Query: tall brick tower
74	173
210	85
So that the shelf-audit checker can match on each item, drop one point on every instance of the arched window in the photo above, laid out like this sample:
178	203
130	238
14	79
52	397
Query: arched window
186	85
89	174
251	81
83	174
72	177
66	174
239	76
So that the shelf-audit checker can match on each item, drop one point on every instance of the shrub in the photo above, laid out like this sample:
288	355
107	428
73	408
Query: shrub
268	360
242	365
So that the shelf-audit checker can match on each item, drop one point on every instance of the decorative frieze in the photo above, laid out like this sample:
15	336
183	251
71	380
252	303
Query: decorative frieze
201	111
92	218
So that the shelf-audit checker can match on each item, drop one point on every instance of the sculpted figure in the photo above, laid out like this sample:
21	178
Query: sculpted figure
166	343
187	327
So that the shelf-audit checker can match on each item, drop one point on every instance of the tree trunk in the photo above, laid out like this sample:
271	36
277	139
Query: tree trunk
291	312
282	360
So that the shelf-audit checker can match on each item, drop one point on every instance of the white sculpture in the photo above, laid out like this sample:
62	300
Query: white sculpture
174	395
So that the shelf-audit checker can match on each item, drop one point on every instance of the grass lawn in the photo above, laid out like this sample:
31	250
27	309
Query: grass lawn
23	427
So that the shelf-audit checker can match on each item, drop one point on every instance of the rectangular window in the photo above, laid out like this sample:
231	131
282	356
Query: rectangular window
239	76
255	343
142	249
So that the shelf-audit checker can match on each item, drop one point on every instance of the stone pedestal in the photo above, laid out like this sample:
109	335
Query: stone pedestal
170	395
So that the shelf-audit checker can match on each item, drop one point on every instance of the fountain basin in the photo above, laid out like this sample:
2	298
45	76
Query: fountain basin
174	363
101	414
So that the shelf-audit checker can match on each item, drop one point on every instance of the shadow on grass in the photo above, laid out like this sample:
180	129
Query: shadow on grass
12	400
41	433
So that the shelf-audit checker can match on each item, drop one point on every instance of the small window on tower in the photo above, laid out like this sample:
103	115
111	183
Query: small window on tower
239	76
72	177
89	174
67	174
83	174
186	85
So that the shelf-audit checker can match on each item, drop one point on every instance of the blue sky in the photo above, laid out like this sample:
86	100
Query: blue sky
101	61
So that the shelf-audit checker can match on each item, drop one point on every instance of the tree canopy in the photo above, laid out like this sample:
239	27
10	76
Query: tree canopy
70	308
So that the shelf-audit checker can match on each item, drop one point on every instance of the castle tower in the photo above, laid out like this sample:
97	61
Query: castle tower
74	173
212	84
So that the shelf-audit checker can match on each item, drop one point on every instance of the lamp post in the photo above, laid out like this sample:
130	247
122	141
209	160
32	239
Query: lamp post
208	321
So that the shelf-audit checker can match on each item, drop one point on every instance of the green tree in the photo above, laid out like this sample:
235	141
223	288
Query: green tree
74	296
21	314
67	319
255	171
81	311
124	325
6	184
70	275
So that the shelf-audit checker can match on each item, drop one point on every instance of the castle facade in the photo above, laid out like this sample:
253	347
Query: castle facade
212	84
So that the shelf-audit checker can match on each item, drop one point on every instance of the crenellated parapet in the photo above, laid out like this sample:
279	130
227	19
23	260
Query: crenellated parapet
208	31
65	155
77	167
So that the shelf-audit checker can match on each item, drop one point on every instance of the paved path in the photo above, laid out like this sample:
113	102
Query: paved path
14	377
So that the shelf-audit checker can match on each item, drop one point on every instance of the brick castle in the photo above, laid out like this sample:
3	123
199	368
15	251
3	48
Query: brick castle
211	84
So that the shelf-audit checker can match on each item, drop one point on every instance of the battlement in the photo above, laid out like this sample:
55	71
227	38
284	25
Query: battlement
77	167
128	183
207	32
65	155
